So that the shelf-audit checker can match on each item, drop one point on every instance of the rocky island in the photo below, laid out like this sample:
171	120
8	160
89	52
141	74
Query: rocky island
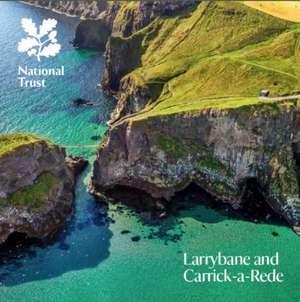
187	85
37	183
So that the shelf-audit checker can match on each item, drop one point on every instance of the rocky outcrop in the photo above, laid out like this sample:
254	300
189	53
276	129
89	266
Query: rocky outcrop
76	165
219	150
37	184
136	15
87	9
132	98
92	34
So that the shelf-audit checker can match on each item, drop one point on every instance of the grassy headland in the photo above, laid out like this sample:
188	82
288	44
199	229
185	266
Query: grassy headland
10	142
219	56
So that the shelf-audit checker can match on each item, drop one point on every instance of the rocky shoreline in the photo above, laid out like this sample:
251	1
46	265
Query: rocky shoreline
79	8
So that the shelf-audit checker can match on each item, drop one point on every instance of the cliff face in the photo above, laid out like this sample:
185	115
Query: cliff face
123	18
219	150
94	34
36	186
124	43
188	110
82	8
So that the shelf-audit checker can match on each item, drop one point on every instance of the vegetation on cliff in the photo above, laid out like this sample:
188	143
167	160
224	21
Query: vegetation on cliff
221	54
37	183
11	142
32	197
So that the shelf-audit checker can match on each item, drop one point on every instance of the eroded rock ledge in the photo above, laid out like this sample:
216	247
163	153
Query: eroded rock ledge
37	184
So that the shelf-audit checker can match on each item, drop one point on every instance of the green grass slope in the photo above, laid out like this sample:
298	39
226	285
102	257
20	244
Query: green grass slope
32	197
221	53
11	142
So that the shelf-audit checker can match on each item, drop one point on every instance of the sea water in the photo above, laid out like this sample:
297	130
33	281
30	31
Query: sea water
94	258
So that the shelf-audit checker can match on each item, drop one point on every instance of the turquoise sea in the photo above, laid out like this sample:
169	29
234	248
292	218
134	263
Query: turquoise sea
90	259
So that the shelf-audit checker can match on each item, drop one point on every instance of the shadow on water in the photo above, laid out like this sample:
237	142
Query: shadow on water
195	203
83	242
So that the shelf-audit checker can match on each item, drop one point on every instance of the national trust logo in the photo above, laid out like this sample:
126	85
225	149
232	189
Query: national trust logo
39	43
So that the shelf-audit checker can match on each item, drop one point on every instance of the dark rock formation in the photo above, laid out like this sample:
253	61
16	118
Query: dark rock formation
136	238
123	19
131	97
79	102
92	34
76	164
37	185
96	137
116	66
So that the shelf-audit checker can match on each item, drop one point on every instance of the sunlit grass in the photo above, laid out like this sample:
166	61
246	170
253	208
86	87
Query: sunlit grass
32	197
288	10
9	142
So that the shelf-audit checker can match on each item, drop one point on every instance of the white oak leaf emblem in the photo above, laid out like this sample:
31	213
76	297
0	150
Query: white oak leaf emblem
42	43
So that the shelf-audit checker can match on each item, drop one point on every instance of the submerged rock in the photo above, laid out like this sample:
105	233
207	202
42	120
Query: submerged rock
80	102
96	137
36	186
124	232
135	238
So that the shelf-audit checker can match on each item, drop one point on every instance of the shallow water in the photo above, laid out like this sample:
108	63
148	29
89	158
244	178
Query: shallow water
90	260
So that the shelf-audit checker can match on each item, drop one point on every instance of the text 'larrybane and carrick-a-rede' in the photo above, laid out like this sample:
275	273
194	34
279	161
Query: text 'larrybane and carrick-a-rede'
221	268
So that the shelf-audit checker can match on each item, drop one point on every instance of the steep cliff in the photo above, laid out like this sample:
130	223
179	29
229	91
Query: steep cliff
134	25
188	108
218	149
123	18
36	185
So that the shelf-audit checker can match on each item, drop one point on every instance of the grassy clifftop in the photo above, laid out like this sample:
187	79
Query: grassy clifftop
10	142
221	53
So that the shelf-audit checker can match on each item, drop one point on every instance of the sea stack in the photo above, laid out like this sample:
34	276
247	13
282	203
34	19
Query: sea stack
36	186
